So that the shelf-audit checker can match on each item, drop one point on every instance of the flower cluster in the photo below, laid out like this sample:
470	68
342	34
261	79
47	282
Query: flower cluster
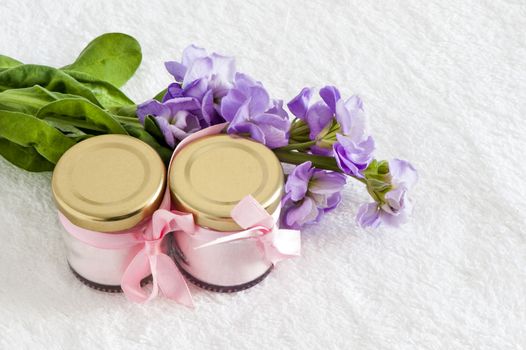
249	110
208	91
190	103
327	139
335	127
392	205
310	193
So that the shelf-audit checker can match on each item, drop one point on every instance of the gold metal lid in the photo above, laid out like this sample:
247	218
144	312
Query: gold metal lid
211	175
109	183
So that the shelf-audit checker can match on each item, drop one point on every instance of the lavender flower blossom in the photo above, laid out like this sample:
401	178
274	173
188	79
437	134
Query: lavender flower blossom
173	117
249	109
310	193
192	102
353	157
396	206
206	78
330	115
216	70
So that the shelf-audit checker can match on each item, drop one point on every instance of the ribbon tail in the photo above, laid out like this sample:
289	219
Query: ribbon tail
282	244
171	281
137	270
250	233
155	284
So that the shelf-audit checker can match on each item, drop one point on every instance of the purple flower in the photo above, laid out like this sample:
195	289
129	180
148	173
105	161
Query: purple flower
207	78
216	70
396	206
352	156
249	109
192	102
205	110
321	115
310	193
173	117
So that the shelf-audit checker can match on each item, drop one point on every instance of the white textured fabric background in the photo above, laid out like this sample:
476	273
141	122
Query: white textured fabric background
444	85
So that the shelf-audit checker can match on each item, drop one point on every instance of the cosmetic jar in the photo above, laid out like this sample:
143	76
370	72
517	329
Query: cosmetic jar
106	186
208	177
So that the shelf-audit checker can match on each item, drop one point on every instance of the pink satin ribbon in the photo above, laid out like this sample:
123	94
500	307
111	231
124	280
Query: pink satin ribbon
275	244
150	259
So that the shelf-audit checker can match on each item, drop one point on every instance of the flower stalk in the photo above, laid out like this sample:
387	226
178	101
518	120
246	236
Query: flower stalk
319	162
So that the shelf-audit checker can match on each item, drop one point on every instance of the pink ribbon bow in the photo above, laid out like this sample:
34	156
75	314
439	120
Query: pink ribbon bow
276	244
150	259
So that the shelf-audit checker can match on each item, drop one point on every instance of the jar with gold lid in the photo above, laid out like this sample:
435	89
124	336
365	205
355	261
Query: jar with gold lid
106	186
208	177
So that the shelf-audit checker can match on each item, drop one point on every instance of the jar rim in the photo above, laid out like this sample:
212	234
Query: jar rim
210	175
109	183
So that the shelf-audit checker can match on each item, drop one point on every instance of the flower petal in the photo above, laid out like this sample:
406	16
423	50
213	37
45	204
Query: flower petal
299	215
196	89
191	53
224	67
300	103
333	201
200	68
151	107
244	82
271	119
174	90
252	129
207	107
176	69
182	103
260	100
353	158
403	173
298	181
318	117
327	182
277	108
274	137
330	96
231	103
343	116
400	218
164	126
368	215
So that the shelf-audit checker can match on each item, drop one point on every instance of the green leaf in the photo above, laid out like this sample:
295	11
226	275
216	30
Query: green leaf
160	95
28	100
108	95
129	111
81	113
51	79
113	57
138	131
70	131
150	125
8	62
24	157
27	131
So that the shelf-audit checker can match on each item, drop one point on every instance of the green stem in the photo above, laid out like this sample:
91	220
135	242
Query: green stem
297	146
320	162
300	130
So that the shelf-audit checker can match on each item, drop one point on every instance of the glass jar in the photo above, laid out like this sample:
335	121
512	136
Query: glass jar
105	186
208	177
